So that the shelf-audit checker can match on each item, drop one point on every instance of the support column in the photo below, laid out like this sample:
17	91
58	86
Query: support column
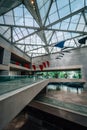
6	57
5	61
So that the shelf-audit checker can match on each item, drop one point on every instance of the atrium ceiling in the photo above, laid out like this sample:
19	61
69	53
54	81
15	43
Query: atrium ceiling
36	26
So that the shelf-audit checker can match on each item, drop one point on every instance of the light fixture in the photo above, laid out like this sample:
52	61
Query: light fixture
32	2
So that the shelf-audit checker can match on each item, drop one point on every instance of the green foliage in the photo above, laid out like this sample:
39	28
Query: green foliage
61	74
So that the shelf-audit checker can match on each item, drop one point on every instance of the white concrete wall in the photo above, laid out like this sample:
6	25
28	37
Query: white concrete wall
13	102
13	49
75	58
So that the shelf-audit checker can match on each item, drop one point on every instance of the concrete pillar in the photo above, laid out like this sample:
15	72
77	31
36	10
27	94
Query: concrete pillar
6	57
5	61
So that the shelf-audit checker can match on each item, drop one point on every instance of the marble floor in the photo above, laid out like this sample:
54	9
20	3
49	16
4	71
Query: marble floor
76	98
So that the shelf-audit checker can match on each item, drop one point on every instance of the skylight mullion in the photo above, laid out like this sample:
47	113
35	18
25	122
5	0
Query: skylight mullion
69	23
84	2
11	34
16	33
27	36
72	31
23	16
60	25
13	16
78	22
67	16
35	49
21	32
30	44
83	13
57	9
36	53
75	42
48	12
64	36
51	37
28	31
56	35
5	31
4	19
70	6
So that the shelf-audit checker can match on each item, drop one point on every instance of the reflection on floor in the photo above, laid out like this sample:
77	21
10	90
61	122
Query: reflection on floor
17	122
68	94
34	119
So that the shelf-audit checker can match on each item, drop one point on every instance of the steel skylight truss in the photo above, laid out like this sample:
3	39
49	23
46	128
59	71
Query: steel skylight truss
35	27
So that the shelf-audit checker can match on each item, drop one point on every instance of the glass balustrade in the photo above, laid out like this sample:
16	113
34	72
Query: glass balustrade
10	83
65	105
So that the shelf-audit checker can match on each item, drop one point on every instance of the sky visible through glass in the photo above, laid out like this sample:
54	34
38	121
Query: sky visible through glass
36	28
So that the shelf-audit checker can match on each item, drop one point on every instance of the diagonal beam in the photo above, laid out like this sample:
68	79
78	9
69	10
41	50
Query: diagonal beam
61	30
48	11
36	48
68	16
43	28
51	37
4	38
29	44
36	53
10	8
52	45
27	36
20	26
46	45
11	35
33	9
84	16
43	38
33	49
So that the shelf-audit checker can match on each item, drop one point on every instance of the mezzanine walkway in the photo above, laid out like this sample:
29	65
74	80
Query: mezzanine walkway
16	94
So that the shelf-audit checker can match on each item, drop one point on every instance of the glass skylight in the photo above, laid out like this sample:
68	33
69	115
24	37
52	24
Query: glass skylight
36	28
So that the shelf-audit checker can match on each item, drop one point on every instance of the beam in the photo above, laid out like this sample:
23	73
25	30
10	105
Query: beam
48	11
36	53
33	49
29	44
20	26
11	35
10	8
61	30
84	16
68	16
52	45
4	38
27	36
40	28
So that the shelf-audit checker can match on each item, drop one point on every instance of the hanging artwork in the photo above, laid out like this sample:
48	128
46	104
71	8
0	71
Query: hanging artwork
27	66
44	64
48	64
17	63
34	67
41	67
60	44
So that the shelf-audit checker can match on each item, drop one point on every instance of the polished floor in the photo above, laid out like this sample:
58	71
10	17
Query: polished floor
70	97
34	119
